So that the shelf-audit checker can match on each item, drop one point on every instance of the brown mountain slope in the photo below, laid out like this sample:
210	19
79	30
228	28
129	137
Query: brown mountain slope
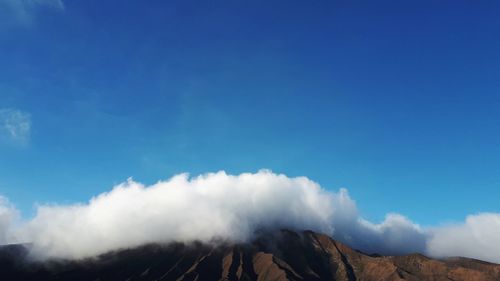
285	255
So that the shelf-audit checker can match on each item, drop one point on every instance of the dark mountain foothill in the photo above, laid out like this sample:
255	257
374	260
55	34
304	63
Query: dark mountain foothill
283	255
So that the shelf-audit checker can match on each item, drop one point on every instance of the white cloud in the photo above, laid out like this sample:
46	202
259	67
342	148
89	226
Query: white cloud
233	207
15	125
478	237
23	11
207	207
204	208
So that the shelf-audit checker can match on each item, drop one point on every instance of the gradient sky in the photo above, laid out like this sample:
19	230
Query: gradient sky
398	101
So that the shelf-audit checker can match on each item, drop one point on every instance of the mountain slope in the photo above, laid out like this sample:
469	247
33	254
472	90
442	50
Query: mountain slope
285	255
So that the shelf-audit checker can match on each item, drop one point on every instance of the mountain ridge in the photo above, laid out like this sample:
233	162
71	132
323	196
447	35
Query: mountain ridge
282	255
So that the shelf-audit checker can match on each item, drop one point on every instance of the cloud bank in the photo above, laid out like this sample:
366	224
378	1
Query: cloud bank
477	237
231	207
15	126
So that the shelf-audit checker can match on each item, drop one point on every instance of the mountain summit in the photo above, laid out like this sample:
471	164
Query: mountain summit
283	255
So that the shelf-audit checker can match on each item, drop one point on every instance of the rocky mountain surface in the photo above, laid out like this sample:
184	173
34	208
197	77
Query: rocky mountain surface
284	255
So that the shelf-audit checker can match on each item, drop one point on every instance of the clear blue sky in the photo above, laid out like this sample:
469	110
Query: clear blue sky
398	101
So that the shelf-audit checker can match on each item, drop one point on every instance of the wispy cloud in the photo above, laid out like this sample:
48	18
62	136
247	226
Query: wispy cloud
15	126
7	215
23	11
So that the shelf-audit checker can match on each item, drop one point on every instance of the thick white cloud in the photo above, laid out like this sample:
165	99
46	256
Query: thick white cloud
233	207
478	237
207	207
204	208
15	125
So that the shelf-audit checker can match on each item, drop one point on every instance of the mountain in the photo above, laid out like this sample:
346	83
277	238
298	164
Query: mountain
283	255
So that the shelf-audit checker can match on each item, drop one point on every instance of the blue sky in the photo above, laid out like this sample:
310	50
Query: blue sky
395	100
